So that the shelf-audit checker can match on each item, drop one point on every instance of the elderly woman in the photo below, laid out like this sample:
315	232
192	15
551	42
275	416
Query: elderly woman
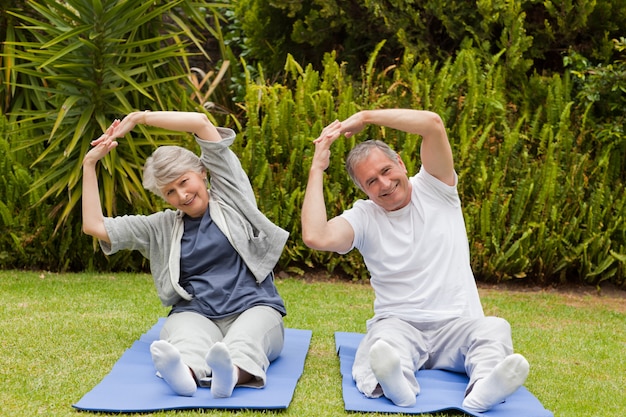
211	257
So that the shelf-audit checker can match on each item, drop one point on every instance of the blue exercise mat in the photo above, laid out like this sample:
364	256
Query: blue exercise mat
132	385
440	390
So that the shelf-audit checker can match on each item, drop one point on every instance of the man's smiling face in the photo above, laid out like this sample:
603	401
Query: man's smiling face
383	180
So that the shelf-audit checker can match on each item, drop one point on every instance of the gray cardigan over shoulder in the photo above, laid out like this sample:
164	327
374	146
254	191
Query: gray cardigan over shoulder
233	208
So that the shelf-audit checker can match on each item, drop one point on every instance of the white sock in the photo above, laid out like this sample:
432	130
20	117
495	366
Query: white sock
168	362
385	364
224	373
504	380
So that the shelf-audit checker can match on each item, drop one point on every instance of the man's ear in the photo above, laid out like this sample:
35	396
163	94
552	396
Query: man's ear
401	162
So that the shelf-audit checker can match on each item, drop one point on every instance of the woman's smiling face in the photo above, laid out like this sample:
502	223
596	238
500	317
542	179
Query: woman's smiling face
188	193
383	180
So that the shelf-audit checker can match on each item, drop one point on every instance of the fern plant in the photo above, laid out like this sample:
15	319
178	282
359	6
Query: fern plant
529	209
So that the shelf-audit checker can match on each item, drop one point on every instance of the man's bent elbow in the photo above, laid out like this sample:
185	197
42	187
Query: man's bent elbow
435	121
308	239
313	240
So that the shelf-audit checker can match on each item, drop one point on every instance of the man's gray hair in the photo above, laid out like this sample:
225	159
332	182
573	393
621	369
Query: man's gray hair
361	151
166	164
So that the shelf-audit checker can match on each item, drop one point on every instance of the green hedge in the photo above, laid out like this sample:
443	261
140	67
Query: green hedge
541	199
542	179
532	34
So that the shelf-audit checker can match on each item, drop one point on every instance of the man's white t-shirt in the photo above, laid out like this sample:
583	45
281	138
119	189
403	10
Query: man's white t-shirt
418	256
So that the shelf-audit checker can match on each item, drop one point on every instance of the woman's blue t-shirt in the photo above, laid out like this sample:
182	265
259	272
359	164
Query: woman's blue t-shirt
216	276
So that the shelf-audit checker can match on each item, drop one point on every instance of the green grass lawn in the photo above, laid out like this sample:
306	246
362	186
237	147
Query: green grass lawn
60	334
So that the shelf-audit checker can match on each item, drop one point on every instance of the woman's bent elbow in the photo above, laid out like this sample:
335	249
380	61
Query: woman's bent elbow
99	232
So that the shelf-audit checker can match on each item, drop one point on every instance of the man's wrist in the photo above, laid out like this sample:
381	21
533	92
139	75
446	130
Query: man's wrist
89	162
316	170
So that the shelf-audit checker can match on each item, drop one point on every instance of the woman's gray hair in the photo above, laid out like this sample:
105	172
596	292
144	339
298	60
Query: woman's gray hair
166	164
361	151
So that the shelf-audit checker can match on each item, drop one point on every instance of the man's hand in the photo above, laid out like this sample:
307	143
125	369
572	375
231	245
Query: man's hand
353	124
329	134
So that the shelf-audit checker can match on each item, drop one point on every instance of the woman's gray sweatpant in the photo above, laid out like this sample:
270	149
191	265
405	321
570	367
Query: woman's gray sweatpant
254	338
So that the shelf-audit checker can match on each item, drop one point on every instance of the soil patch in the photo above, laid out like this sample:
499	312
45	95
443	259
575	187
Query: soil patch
607	295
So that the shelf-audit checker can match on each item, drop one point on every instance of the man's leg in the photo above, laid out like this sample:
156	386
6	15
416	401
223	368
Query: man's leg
503	381
483	348
387	359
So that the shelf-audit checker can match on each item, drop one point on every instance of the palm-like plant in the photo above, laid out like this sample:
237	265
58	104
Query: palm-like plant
75	65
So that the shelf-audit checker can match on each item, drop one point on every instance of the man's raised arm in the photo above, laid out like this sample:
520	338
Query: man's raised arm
435	150
317	231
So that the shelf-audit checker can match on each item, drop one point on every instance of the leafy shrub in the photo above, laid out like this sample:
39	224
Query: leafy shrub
75	66
525	176
532	34
541	165
31	238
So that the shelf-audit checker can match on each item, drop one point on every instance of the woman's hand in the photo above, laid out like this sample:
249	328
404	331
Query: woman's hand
128	123
103	145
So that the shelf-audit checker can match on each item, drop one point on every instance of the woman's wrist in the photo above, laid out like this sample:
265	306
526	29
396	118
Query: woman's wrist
144	117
